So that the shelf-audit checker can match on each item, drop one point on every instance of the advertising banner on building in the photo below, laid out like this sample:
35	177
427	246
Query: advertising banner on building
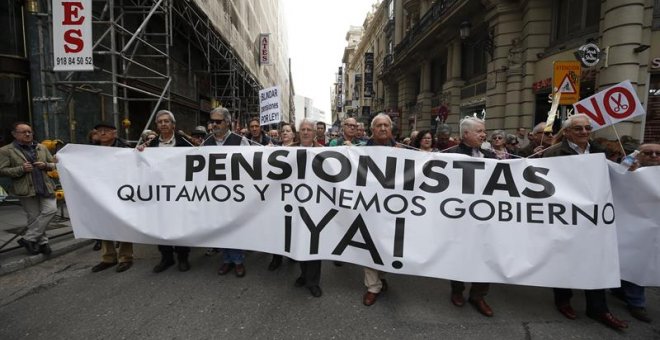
368	74
72	36
529	221
610	106
264	49
270	106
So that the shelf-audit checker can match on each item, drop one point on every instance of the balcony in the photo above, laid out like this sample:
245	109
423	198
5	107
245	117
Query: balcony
437	12
389	28
410	5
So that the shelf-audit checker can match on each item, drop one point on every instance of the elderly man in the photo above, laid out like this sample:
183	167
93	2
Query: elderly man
523	138
381	135
361	133
310	271
349	129
633	295
576	141
198	135
256	135
166	126
26	163
220	119
473	134
538	140
109	257
274	135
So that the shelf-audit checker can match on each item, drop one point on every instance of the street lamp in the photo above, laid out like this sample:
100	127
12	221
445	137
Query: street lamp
464	29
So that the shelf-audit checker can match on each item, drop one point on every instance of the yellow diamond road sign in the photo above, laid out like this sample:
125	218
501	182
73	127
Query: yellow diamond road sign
566	79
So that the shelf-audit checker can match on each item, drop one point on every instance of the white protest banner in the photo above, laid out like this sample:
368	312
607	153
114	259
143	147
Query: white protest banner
530	222
269	103
72	36
636	199
611	106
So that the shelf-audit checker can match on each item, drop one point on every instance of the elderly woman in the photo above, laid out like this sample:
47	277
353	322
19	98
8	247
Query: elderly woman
498	144
287	134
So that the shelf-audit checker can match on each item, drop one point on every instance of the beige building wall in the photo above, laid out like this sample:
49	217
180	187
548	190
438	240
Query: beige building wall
514	86
240	22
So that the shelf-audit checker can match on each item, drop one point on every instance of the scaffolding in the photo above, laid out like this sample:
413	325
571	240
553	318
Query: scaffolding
133	62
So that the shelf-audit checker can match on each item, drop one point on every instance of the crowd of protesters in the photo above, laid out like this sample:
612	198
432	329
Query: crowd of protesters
26	163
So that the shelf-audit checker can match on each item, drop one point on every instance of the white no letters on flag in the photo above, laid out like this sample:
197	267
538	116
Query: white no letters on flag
610	106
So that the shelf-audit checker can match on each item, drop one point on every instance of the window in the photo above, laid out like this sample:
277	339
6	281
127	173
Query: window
475	56
574	18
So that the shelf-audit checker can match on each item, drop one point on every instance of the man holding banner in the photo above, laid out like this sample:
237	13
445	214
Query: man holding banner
220	120
575	135
632	294
473	134
381	129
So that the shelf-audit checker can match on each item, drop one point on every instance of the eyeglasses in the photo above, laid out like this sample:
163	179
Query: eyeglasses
105	130
579	128
651	153
547	133
498	137
23	132
216	121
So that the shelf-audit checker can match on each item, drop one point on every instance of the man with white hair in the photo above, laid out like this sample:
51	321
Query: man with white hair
167	137
473	134
575	140
381	135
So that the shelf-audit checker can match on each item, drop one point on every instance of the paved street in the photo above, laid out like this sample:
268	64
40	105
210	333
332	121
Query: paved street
62	299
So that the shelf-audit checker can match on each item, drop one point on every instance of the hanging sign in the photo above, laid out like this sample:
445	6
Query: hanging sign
72	36
264	49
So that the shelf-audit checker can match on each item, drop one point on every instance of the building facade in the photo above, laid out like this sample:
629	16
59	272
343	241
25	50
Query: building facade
437	61
185	56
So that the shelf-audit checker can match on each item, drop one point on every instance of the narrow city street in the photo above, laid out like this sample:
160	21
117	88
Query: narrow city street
62	299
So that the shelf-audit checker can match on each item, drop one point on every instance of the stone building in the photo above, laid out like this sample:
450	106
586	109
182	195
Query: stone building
185	56
441	60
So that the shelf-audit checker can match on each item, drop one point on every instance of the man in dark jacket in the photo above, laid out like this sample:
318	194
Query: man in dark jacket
107	136
257	135
575	134
220	121
473	134
167	137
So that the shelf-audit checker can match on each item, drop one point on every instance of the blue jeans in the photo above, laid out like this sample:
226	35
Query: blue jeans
634	294
235	256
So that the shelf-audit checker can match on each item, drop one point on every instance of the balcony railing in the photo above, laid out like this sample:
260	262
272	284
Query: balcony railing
436	13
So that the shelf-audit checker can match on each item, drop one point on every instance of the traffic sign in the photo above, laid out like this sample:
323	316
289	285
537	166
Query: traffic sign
566	79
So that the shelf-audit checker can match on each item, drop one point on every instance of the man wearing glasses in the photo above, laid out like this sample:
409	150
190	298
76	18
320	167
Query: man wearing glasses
220	121
538	140
350	130
26	163
575	140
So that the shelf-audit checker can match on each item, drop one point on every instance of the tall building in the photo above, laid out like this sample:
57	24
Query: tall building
185	56
305	109
445	59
